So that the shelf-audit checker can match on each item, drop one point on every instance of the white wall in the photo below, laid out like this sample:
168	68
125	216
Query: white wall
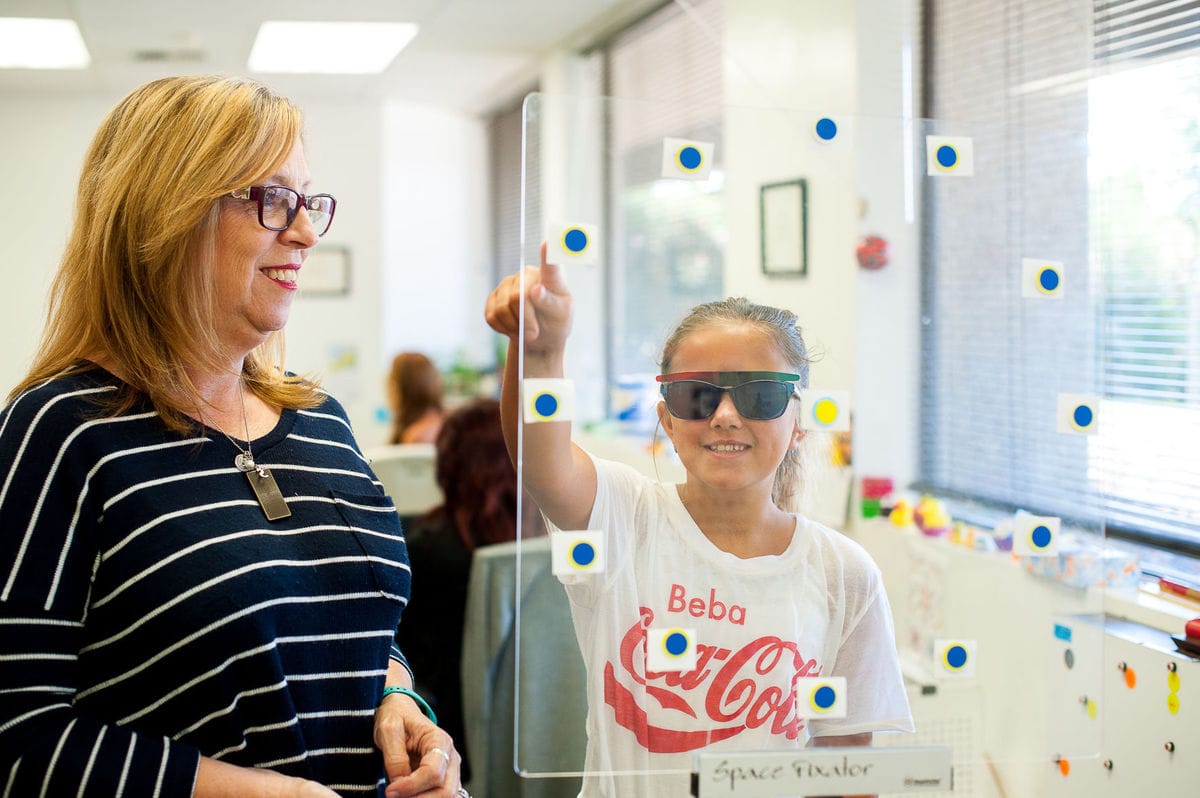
797	55
436	234
42	143
337	337
887	359
570	116
788	63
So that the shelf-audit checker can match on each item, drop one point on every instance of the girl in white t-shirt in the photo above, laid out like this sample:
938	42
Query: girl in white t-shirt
769	596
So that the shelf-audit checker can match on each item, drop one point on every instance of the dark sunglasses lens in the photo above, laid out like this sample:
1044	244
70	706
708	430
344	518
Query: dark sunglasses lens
691	400
761	399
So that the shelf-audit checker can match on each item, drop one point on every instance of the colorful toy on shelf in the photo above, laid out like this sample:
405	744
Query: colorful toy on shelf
931	516
1190	642
874	492
902	513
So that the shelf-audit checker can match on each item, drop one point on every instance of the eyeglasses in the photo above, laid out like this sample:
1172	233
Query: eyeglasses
278	205
757	395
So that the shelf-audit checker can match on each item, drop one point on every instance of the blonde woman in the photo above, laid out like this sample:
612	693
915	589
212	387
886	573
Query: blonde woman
200	577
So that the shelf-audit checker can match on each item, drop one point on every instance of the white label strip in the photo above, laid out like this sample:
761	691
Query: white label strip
825	771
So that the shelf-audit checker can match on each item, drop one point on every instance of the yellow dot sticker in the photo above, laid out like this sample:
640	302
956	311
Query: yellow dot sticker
826	411
1092	709
1173	703
1173	682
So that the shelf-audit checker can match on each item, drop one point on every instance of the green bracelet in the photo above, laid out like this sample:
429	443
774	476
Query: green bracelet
425	708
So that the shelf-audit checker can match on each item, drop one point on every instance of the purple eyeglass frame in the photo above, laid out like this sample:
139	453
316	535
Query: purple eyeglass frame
256	193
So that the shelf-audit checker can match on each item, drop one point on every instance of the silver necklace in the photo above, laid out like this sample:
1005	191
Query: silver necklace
261	480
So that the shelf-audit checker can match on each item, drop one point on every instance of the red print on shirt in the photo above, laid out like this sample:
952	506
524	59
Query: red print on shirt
732	688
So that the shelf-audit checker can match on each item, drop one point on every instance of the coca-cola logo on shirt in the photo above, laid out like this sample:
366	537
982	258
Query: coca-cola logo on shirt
731	690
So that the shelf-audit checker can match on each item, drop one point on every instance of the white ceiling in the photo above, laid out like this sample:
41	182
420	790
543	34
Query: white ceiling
468	55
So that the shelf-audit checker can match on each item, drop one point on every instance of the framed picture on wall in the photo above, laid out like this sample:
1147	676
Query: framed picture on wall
783	228
326	271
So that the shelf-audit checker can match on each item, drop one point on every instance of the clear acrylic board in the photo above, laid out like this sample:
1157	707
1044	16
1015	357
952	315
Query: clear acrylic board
996	636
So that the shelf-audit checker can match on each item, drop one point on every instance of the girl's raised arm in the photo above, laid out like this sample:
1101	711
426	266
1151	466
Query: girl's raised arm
558	474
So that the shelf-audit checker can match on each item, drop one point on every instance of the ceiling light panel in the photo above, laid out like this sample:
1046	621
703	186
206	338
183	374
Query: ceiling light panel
330	48
31	43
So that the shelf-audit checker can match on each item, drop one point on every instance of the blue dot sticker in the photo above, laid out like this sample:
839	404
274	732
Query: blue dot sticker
1048	279
671	650
954	658
1035	535
569	243
1078	414
577	553
676	642
949	156
686	159
689	158
821	697
575	240
582	554
548	399
825	129
545	404
1041	279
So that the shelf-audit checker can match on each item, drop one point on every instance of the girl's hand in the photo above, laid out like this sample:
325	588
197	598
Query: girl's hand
418	756
547	308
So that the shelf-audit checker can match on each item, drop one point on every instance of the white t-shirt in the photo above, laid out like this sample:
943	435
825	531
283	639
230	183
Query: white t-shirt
817	609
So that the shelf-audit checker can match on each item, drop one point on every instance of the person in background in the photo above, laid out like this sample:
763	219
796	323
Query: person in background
201	578
479	484
791	596
415	391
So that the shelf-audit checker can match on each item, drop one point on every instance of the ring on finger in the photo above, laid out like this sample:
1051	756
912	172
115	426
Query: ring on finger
462	793
440	753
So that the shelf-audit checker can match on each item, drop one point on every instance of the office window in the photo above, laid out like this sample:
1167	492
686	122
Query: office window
665	76
505	132
1101	170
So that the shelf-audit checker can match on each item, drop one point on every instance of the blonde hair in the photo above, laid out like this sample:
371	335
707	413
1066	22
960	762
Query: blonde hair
418	387
782	329
134	288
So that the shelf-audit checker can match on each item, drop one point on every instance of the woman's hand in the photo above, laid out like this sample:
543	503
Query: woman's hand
418	756
217	779
302	788
547	308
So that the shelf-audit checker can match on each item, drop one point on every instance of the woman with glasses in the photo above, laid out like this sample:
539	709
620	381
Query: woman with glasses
200	577
713	602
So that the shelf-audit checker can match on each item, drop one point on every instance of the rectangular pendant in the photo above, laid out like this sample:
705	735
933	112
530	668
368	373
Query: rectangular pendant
267	492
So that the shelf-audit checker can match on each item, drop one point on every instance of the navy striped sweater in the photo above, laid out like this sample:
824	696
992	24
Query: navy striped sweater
149	613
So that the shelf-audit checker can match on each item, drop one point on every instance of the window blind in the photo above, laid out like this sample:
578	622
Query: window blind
1026	79
664	76
994	363
1127	30
505	131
